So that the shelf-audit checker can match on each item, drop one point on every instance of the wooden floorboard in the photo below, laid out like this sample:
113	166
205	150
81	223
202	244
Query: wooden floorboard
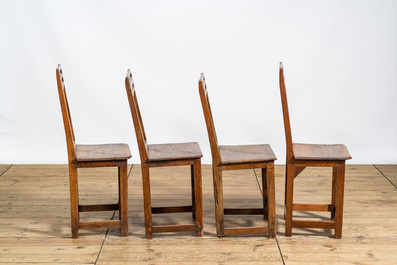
389	171
4	168
35	218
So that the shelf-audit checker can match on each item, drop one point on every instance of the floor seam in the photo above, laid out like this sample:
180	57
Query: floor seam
103	241
385	176
6	170
257	180
129	173
279	250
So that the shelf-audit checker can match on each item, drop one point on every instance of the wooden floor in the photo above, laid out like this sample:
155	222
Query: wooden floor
35	218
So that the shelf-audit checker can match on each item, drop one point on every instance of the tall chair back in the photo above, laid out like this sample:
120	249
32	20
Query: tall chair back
67	120
205	102
136	117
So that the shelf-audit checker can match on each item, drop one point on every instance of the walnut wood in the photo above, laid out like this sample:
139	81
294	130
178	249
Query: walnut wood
166	155
174	209
243	211
314	224
312	207
101	224
321	152
300	156
98	207
233	154
165	152
235	158
239	231
84	156
102	152
247	165
173	228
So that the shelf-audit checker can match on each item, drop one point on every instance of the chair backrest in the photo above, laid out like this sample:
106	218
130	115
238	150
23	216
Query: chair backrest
136	117
209	121
287	125
67	120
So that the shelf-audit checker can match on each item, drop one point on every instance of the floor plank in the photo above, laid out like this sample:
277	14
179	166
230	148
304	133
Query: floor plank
35	218
345	251
389	171
190	250
3	168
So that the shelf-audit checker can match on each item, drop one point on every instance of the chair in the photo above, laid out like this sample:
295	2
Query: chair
165	155
226	157
300	156
85	156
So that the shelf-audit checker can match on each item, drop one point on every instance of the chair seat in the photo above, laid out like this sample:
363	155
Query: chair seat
233	154
102	152
321	152
177	151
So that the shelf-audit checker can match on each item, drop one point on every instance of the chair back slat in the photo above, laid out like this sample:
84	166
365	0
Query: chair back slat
67	119
287	125
209	121
136	117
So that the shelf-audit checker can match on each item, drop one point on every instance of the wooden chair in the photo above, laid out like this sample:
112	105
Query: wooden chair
226	157
300	156
165	155
85	156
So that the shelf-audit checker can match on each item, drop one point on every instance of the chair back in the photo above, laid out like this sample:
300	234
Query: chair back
287	125
209	121
136	117
67	120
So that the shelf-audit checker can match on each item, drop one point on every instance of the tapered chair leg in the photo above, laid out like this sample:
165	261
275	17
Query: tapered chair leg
219	209
339	200
198	206
289	192
147	201
271	201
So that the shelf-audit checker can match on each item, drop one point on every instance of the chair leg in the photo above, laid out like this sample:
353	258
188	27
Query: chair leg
333	197
192	174
123	198
339	200
218	195
289	194
198	200
147	201
271	201
265	193
74	201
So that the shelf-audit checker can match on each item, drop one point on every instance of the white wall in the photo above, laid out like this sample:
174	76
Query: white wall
340	61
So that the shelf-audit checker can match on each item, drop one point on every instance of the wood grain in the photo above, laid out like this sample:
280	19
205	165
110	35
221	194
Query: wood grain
239	157
163	156
92	156
301	156
102	152
36	230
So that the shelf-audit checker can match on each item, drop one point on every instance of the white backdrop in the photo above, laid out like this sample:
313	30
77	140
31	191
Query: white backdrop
340	60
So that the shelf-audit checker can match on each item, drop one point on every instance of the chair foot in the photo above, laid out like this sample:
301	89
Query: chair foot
124	231
200	233
272	234
75	232
75	235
